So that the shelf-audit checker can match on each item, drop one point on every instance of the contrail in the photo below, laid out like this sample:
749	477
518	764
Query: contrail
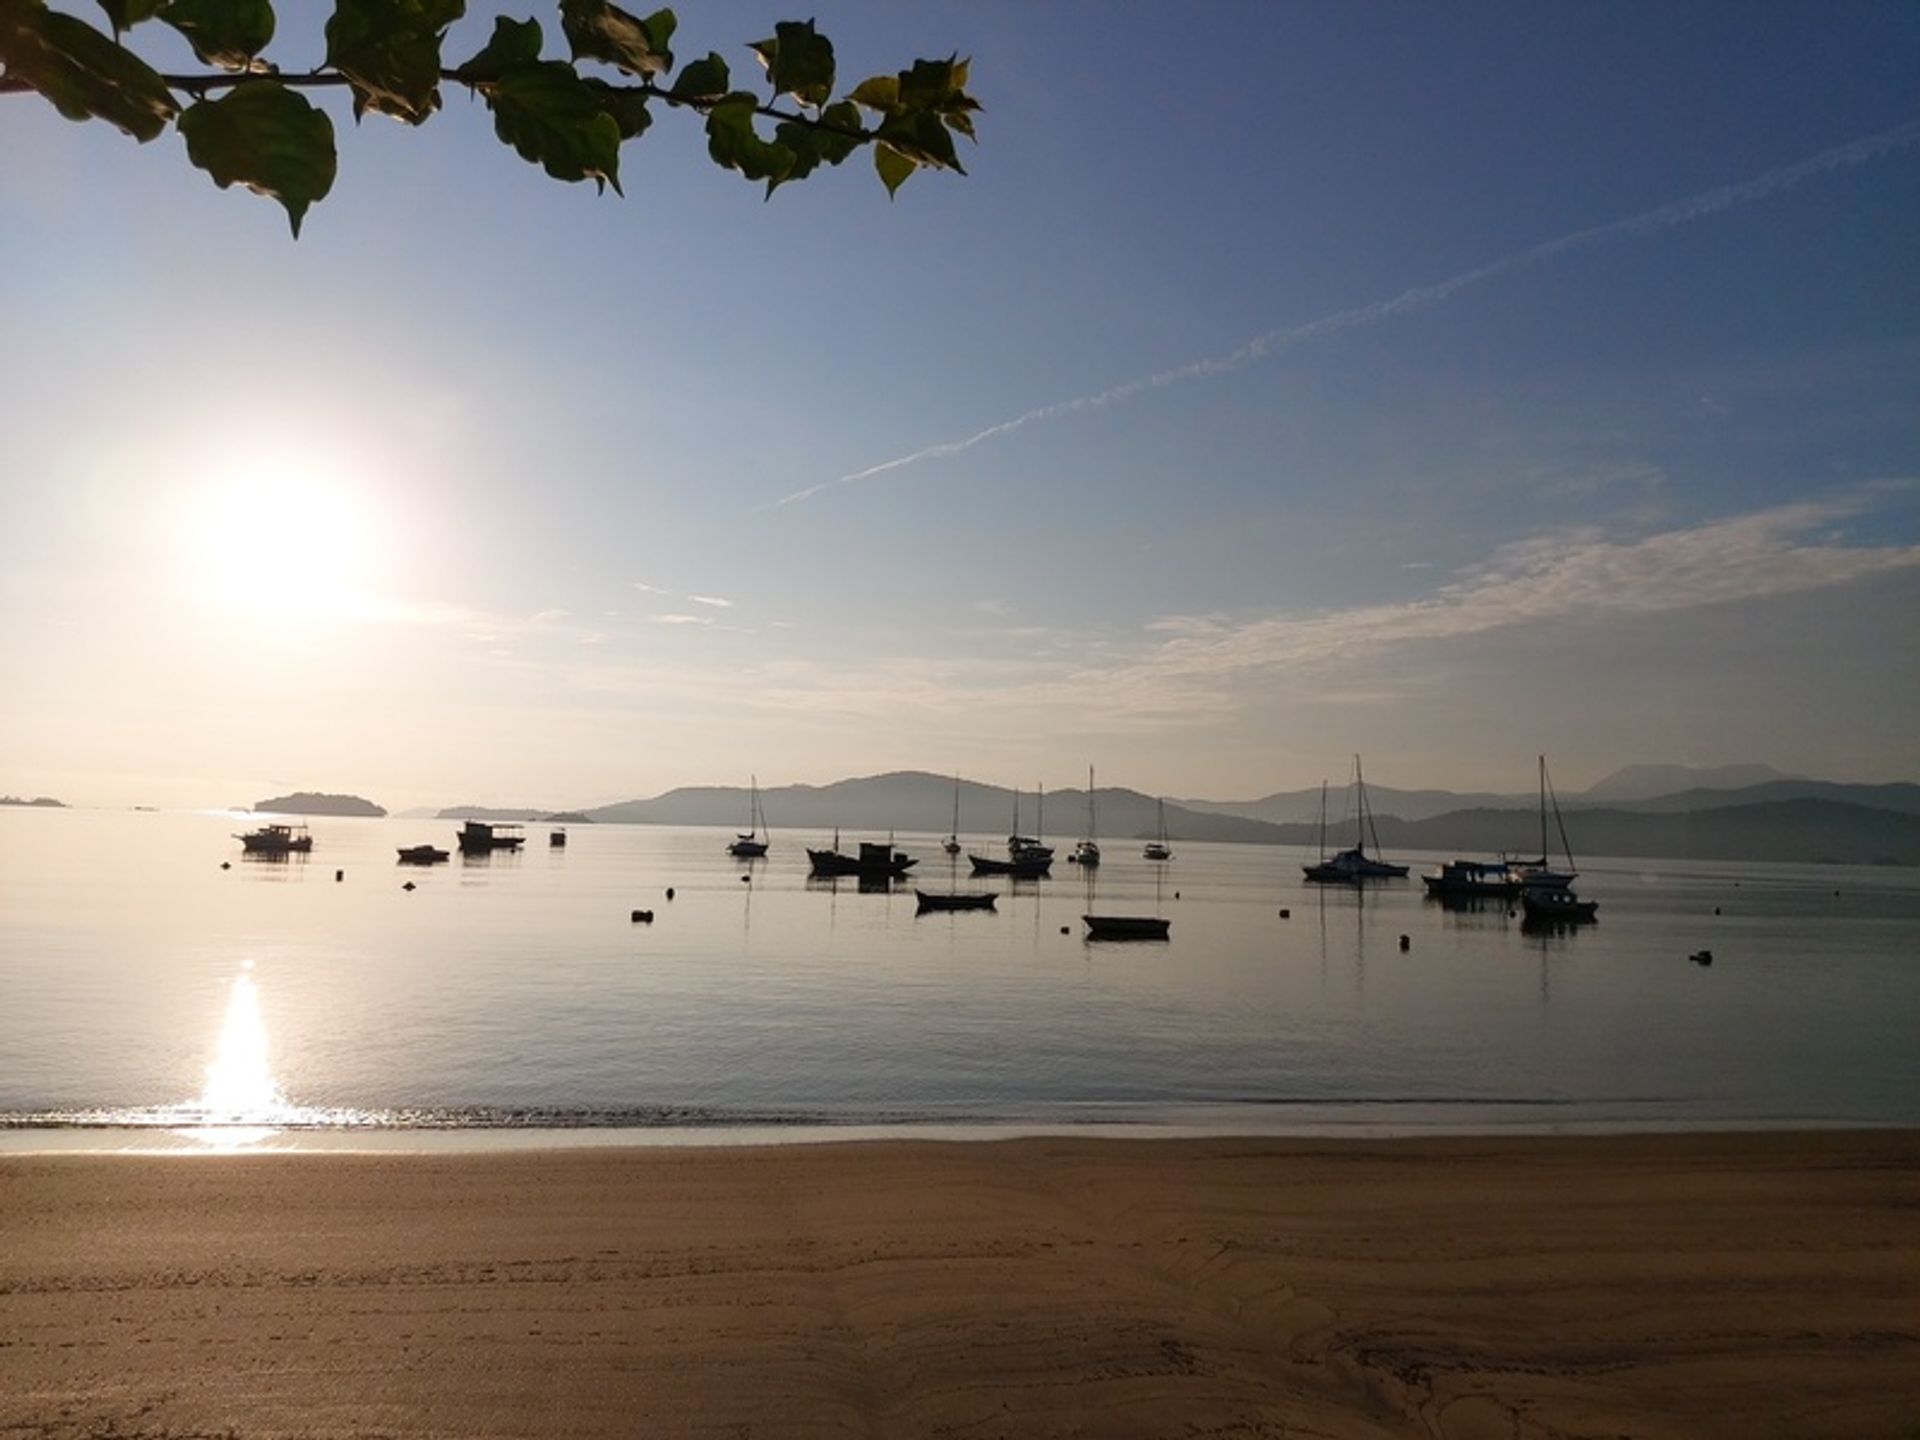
1651	222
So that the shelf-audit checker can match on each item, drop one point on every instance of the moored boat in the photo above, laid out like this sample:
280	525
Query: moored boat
483	837
1546	904
1126	927
752	843
277	839
1029	867
927	901
1158	848
874	860
1473	880
1087	852
423	855
1352	866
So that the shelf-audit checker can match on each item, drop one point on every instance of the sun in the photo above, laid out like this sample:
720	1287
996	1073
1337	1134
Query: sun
287	535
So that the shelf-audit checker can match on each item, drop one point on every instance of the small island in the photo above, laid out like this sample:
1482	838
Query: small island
309	802
39	802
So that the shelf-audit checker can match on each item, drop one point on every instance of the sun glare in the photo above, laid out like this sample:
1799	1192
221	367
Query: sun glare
287	536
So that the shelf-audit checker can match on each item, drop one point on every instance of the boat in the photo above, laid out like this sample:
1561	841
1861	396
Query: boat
1157	848
872	861
277	839
1545	904
1126	927
753	843
926	901
1473	880
482	837
1028	867
1351	867
557	839
423	855
952	843
1087	852
1538	873
1029	847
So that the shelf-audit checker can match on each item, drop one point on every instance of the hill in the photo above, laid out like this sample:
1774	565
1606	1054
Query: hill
310	802
1645	782
39	802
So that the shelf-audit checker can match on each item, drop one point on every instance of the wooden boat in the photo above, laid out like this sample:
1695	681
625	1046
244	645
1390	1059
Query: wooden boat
1157	848
926	901
1031	867
423	855
1353	866
481	837
873	861
753	843
277	839
1544	904
1126	927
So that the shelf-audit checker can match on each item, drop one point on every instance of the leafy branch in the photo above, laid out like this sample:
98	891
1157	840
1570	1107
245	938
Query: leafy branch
246	122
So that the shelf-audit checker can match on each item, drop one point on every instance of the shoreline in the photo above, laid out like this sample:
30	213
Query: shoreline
1653	1285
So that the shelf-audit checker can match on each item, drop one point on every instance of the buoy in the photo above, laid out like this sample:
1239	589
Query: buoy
226	865
1406	942
1716	909
1176	894
407	886
643	917
1286	914
669	892
338	876
746	879
1702	957
1065	929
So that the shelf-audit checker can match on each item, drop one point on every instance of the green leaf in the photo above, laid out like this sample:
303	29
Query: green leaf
843	138
627	107
83	73
514	43
125	14
555	119
227	33
894	167
390	51
880	93
928	84
919	135
799	62
735	145
598	30
264	136
703	80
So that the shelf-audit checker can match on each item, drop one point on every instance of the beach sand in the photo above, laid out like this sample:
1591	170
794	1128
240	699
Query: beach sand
1690	1285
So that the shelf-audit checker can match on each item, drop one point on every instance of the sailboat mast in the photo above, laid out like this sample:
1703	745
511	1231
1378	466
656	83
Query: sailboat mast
1543	809
1090	834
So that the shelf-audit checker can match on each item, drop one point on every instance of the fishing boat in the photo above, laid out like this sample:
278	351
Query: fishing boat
1028	867
752	844
1087	852
952	843
925	901
1467	880
1353	866
276	839
482	837
1126	927
423	855
872	861
1545	904
1157	848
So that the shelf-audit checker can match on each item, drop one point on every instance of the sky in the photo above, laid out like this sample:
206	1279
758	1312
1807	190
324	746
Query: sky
1283	381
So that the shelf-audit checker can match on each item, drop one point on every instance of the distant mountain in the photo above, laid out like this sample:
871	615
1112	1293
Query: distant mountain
1303	806
39	802
509	814
1646	782
308	802
1901	797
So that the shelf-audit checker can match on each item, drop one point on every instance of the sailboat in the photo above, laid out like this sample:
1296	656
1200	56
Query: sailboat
1156	848
1087	852
1350	867
1027	858
952	843
752	844
1533	873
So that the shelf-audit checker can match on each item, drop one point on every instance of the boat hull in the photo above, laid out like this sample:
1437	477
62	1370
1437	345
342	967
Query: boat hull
928	901
1126	927
1015	869
423	855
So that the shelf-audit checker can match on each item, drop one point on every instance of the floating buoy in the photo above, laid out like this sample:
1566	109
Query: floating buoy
746	879
1286	914
1064	929
1716	909
669	892
643	917
226	865
1176	894
338	876
1701	957
407	886
1406	942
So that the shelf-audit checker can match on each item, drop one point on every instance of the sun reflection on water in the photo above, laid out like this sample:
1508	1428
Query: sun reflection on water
241	1103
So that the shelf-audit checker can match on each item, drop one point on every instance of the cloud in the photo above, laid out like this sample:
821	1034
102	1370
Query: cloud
671	619
718	602
1647	223
642	585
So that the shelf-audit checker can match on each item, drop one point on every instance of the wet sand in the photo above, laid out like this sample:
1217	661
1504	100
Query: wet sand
1651	1286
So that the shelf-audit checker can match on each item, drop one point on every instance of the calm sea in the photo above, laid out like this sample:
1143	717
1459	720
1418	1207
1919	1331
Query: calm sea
143	985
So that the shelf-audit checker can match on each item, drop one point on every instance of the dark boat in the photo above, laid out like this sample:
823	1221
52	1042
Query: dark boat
557	839
1126	927
1545	905
277	839
1351	867
479	837
423	855
954	902
1028	867
751	844
874	860
1473	880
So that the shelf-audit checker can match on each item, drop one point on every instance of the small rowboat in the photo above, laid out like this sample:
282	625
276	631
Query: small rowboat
954	902
1126	927
422	855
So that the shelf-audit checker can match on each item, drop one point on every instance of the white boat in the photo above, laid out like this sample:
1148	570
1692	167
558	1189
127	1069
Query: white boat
751	844
1157	848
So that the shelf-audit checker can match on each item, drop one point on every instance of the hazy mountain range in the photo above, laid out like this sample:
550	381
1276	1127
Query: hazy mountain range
1747	812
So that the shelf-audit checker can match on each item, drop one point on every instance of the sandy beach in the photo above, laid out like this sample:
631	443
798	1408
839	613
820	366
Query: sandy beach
1740	1285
